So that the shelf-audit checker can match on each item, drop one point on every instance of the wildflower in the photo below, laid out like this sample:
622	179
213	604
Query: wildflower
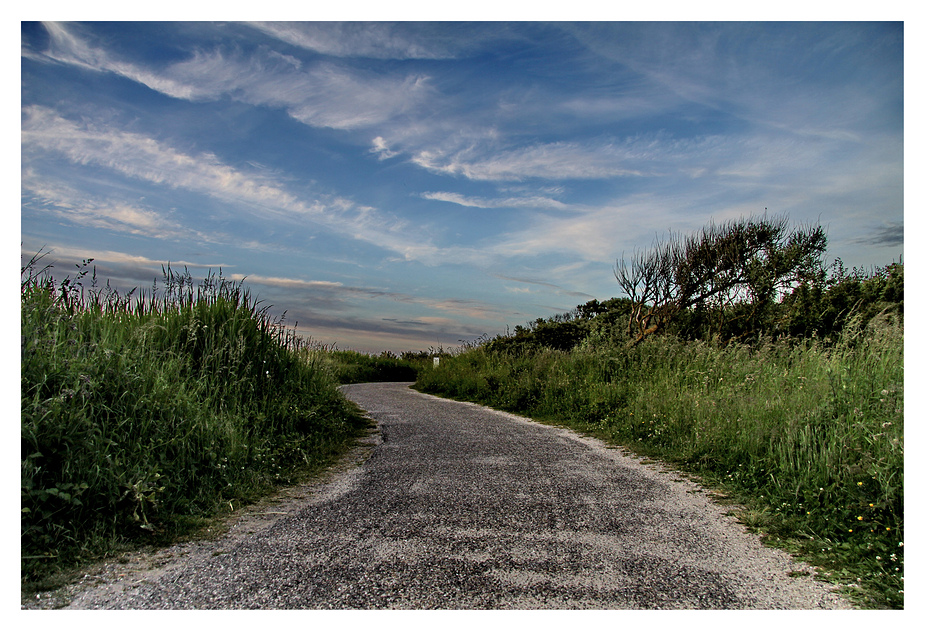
871	505
860	484
860	518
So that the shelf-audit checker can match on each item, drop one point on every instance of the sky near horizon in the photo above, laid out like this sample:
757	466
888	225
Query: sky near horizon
402	186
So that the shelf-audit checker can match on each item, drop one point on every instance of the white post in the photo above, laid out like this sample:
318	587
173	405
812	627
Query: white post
436	361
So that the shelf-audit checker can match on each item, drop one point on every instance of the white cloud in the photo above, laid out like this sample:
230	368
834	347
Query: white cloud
141	157
144	158
122	258
505	202
468	308
324	95
286	283
67	47
555	161
86	210
356	39
381	147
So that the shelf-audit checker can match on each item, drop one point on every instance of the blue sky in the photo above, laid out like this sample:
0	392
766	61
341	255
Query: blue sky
401	186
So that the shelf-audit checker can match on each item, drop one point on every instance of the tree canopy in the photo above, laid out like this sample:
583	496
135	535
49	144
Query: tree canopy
736	270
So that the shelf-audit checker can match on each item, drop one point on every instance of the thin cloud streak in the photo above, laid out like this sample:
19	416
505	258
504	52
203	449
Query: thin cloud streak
141	157
529	281
892	235
563	160
470	308
506	202
355	39
72	254
75	207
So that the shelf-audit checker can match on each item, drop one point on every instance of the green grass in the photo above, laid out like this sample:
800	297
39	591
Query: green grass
808	437
355	367
142	415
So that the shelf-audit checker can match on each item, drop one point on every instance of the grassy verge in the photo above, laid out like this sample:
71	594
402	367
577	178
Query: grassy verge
355	367
142	416
807	437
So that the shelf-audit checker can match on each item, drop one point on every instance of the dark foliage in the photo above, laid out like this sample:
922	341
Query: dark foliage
726	277
563	331
823	309
738	282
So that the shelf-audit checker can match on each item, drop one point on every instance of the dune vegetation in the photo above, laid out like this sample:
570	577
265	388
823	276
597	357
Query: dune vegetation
791	407
143	415
737	357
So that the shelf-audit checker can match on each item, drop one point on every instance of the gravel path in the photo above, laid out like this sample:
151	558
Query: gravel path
461	507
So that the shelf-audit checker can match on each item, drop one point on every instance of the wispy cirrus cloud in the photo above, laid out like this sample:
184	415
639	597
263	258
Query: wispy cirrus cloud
465	307
540	283
891	234
535	201
122	264
376	40
321	94
643	155
144	158
286	283
78	207
561	160
728	67
381	148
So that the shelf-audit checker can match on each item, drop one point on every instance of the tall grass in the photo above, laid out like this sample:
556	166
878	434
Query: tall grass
808	436
143	413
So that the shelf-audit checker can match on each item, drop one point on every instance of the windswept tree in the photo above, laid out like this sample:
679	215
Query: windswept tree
737	271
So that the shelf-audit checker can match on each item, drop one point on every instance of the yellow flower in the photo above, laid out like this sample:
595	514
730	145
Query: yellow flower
860	484
860	518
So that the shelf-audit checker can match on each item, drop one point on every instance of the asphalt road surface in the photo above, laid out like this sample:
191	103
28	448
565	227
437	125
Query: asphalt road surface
456	506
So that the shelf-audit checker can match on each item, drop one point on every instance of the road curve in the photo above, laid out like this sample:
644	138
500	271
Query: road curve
462	507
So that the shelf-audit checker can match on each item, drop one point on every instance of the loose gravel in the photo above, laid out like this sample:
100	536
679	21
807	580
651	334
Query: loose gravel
456	506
